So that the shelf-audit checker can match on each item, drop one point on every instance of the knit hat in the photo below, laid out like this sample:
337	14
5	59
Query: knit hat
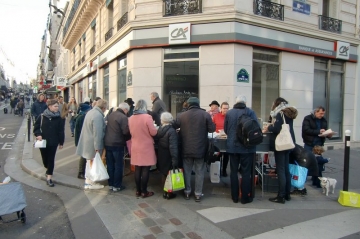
85	107
193	101
87	99
214	102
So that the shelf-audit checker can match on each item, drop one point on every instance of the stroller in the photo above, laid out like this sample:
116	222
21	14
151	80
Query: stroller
12	199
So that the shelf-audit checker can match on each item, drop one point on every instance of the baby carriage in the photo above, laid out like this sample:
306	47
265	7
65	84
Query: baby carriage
12	200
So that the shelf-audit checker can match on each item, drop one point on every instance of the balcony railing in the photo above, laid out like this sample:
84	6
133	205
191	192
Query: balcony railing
122	21
330	24
269	9
92	49
182	7
71	16
79	62
83	59
73	68
109	34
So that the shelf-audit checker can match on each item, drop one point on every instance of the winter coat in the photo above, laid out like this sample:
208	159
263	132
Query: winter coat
310	131
20	105
79	121
168	152
305	159
158	106
194	124
155	117
50	129
117	129
38	108
13	103
142	130
290	114
230	125
92	134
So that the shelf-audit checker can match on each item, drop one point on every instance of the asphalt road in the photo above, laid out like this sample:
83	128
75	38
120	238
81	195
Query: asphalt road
45	212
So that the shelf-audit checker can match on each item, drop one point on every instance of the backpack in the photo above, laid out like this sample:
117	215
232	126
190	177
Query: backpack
248	131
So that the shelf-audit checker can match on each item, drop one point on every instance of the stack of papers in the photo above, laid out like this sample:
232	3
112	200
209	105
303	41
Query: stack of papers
327	132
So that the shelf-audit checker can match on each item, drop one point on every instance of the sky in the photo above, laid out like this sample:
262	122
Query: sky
22	25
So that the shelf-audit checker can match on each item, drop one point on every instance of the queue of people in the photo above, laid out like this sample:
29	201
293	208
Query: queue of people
179	141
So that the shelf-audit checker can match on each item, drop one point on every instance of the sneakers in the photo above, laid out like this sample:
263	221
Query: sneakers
118	189
50	183
93	186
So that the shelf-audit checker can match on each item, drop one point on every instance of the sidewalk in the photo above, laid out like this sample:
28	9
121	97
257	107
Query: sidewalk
126	216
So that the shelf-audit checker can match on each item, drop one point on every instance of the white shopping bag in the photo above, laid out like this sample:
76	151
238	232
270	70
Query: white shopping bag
40	144
215	172
98	171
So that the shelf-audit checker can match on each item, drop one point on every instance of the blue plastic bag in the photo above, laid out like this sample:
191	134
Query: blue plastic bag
298	175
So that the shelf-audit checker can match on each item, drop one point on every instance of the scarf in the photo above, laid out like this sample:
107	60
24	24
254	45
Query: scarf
138	112
49	114
278	108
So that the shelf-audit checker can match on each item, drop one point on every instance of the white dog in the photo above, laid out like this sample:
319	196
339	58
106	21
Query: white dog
326	183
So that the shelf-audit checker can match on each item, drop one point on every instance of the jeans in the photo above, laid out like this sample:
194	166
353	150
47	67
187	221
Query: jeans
21	111
245	161
308	148
283	173
72	125
115	165
199	168
48	158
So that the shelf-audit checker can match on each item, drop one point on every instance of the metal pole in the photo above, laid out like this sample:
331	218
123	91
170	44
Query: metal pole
346	160
29	125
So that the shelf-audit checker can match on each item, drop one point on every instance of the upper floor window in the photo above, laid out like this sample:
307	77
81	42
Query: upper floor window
182	7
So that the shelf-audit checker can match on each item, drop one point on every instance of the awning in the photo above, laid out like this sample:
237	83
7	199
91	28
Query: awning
52	90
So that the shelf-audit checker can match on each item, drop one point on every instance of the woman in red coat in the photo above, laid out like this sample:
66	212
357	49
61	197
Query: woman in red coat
142	130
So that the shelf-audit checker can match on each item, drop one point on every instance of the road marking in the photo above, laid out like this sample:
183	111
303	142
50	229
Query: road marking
6	146
2	128
220	214
347	223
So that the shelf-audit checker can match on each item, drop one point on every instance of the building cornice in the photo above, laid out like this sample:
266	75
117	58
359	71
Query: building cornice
82	19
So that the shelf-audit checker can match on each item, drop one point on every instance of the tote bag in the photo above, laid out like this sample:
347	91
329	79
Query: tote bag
298	175
284	140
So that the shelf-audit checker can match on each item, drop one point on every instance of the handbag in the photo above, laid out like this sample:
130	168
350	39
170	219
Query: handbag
98	171
284	140
174	181
298	175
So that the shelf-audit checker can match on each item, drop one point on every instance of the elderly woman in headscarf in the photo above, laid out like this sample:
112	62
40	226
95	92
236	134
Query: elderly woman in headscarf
279	111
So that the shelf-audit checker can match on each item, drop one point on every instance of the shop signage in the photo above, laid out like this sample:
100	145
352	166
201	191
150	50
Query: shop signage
243	76
342	50
61	81
301	7
179	33
129	80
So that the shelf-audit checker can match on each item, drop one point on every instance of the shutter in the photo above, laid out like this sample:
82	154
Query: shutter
84	36
333	9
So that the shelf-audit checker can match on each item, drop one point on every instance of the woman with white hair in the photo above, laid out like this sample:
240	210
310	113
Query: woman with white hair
168	148
143	155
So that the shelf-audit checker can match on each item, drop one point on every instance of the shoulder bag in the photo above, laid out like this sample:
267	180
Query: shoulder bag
284	140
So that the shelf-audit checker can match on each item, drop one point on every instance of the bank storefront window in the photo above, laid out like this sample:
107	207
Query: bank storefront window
122	63
328	92
265	84
181	76
106	83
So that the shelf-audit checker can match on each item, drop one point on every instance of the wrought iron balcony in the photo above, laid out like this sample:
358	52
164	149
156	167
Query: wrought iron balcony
109	34
122	21
73	10
182	7
92	50
330	24
83	59
73	68
269	9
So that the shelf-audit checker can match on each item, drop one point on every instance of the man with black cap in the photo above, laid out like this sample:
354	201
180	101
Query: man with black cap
131	103
194	124
214	108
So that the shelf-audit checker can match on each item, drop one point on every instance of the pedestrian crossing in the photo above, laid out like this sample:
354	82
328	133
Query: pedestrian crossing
334	225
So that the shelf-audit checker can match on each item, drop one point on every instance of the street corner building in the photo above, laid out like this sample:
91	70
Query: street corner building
304	51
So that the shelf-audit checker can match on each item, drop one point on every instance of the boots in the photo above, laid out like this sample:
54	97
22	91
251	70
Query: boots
277	199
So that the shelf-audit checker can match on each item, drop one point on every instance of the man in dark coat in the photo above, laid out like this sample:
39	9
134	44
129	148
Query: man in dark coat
239	154
158	105
38	107
79	121
116	134
313	125
194	124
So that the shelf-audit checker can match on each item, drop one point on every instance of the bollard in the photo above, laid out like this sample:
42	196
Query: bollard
346	160
29	126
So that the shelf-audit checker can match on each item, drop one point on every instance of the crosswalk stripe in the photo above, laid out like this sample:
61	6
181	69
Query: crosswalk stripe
347	223
220	214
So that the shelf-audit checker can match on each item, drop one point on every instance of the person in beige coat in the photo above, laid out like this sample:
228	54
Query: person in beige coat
142	130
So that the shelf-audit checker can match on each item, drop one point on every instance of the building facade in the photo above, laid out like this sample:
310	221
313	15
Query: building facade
304	51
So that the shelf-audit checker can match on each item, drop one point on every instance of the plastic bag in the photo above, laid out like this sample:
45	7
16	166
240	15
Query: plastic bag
98	171
177	179
168	185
